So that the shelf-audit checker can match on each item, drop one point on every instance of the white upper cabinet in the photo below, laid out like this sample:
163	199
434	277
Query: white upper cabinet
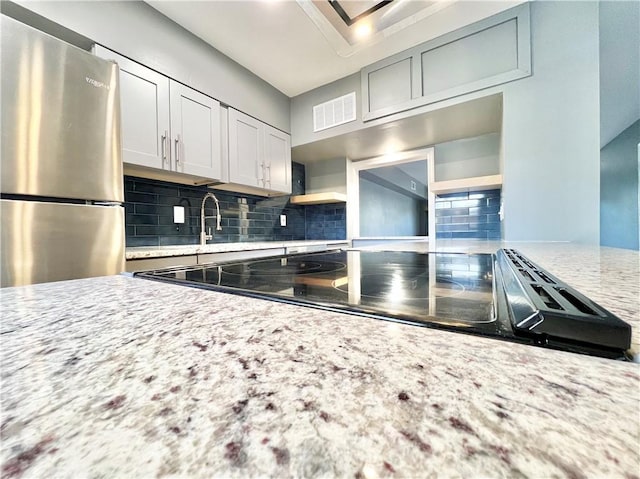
166	125
175	133
195	132
259	156
277	159
245	150
490	52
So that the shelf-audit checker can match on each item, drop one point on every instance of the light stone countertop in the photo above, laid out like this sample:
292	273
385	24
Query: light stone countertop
123	377
140	252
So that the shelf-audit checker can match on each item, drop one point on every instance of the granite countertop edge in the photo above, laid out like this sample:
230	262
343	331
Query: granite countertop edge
141	252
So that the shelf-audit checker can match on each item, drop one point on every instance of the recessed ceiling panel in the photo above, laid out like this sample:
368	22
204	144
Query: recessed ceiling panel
352	12
350	25
358	7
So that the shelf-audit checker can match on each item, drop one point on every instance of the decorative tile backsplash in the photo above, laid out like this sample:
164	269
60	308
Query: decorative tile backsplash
326	222
149	215
468	215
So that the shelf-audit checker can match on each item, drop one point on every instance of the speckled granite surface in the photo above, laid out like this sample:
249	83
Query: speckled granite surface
140	252
122	377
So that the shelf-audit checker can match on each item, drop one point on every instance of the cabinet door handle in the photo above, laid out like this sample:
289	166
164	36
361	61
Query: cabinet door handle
269	168
177	150
263	174
164	146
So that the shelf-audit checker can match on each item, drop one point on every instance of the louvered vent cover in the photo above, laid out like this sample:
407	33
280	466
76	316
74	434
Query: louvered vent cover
334	112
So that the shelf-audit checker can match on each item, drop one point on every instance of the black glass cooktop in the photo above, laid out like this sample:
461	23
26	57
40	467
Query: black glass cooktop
502	295
421	288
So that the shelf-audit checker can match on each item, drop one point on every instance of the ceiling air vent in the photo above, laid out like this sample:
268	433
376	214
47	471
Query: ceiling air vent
334	112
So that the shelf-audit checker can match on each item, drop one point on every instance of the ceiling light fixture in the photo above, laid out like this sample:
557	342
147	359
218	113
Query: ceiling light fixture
363	30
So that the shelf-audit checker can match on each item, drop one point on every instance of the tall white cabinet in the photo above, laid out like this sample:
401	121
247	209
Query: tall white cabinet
166	125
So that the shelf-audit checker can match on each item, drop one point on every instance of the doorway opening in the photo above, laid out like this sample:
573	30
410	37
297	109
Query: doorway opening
388	197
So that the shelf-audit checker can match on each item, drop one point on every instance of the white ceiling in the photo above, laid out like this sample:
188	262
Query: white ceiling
279	42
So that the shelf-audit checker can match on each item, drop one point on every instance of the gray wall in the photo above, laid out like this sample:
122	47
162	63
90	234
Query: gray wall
551	129
400	180
619	67
384	212
326	176
619	108
466	158
619	213
137	31
302	110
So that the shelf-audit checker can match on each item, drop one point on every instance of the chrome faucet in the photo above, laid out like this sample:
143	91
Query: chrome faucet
204	236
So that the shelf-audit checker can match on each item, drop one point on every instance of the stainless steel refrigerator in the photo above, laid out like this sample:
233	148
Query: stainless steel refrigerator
61	170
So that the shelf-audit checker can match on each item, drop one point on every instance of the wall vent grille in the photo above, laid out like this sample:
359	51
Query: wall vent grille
334	112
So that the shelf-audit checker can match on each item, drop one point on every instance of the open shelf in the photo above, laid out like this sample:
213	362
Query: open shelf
466	184
319	198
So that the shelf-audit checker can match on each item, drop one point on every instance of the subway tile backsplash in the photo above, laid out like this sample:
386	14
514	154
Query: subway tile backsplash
471	215
149	215
326	222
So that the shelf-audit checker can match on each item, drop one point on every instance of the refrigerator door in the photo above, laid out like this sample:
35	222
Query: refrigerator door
60	118
42	242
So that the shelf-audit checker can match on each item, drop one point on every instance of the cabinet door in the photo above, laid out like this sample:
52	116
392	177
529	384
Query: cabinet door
245	150
277	158
144	106
390	85
195	132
